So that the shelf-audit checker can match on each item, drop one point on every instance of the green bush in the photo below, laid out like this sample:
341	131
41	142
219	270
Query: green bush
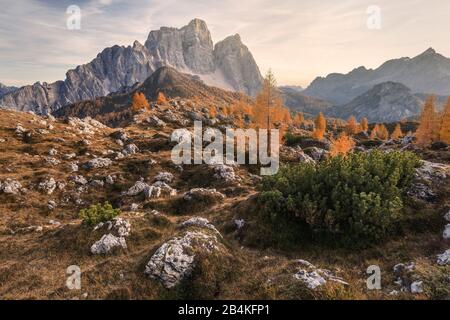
343	199
99	213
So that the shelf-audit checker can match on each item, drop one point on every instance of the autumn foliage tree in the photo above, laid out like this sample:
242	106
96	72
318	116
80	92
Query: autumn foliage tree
352	126
379	132
139	102
364	125
161	98
428	130
342	145
444	132
397	133
321	126
298	119
269	112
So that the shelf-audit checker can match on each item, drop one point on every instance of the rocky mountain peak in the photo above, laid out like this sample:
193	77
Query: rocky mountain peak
189	49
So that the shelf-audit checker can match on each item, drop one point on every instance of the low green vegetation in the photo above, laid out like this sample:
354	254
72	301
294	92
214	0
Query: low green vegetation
98	213
354	199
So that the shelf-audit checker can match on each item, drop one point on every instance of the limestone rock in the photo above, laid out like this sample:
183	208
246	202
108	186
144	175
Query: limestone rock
107	243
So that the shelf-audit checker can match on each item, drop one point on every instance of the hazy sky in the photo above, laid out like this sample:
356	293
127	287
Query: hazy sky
298	39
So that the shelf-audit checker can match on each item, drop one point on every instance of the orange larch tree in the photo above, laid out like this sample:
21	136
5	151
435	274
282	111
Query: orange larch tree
397	133
428	129
352	126
364	125
298	119
321	126
139	102
342	145
382	132
161	99
444	132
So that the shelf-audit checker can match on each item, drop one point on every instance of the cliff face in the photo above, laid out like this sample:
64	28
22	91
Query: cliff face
229	65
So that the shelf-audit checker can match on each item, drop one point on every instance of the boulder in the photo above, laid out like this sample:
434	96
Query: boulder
174	261
107	243
224	172
137	189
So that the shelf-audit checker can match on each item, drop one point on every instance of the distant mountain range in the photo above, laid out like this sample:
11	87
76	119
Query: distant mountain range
4	89
428	73
228	65
394	91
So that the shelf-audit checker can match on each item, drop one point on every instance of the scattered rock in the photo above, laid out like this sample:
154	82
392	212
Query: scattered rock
51	205
130	149
314	277
110	179
48	186
200	223
119	135
166	177
137	189
315	153
107	243
447	216
444	259
203	195
73	167
417	287
118	227
97	163
224	172
97	183
52	161
155	121
69	156
446	233
175	259
79	180
239	223
10	186
165	188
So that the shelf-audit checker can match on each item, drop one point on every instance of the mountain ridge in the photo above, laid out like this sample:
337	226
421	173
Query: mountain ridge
427	73
188	49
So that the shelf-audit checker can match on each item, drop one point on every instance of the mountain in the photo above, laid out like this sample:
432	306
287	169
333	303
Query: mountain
428	73
297	101
4	89
167	80
385	102
228	65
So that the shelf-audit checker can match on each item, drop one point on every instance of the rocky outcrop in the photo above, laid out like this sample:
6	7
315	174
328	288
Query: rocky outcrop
175	260
229	65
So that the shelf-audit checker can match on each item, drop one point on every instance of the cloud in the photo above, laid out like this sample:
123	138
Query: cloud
298	39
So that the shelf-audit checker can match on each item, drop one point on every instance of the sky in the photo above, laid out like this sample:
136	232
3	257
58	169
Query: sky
298	39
